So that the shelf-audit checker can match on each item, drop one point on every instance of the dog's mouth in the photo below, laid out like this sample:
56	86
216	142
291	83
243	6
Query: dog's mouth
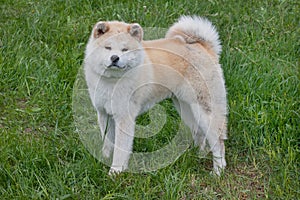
116	66
115	63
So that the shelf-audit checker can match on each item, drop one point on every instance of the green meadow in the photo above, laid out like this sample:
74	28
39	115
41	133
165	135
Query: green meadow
42	47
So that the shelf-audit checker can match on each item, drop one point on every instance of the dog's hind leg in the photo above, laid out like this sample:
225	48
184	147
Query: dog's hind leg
186	114
213	126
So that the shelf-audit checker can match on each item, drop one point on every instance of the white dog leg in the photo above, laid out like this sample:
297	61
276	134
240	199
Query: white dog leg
216	143
124	135
109	139
187	116
214	130
102	121
219	162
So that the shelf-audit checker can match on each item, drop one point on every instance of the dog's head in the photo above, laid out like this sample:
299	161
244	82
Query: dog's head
114	48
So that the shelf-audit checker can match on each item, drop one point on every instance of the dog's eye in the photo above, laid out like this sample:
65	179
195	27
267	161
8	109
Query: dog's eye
124	49
108	48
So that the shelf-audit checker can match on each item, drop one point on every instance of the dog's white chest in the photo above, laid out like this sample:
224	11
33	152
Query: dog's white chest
102	97
112	97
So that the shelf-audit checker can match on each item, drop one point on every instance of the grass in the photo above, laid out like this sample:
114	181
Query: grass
41	156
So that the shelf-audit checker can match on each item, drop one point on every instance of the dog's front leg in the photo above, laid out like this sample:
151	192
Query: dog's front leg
102	121
108	144
124	135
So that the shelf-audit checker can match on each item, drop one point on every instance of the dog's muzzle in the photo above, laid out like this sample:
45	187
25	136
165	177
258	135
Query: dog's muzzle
114	62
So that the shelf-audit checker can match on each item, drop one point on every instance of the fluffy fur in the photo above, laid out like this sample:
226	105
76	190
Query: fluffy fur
126	76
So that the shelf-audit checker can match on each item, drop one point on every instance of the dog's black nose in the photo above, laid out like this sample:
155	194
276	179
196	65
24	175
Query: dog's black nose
114	58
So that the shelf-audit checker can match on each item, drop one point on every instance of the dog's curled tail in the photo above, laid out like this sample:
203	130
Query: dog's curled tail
194	29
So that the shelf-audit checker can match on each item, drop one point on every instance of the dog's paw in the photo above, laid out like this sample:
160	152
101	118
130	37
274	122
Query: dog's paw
219	165
218	171
114	171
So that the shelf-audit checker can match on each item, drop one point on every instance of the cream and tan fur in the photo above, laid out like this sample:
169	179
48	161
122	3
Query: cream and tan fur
126	76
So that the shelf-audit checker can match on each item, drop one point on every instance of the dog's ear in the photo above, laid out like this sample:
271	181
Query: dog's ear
100	28
136	31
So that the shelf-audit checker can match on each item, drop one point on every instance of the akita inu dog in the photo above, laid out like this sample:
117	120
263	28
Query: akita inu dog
126	76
